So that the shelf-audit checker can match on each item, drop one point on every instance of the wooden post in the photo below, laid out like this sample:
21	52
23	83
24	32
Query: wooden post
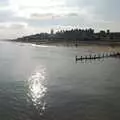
76	57
81	57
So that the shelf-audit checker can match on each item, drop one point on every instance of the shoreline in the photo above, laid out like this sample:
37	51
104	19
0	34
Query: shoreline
73	44
90	46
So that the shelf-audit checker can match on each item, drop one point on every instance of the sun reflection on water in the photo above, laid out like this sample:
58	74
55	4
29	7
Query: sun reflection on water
37	89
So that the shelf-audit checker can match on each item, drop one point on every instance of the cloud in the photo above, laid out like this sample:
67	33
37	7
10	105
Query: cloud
29	16
104	9
46	16
17	25
3	2
51	16
5	15
73	14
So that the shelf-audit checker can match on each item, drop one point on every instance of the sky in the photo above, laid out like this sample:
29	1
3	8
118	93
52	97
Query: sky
24	17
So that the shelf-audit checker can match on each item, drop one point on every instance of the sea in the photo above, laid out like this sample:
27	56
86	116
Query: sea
42	82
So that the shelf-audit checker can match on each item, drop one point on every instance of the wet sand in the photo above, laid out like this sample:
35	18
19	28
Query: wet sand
92	46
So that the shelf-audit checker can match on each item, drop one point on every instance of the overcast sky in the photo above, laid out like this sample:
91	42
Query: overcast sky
24	17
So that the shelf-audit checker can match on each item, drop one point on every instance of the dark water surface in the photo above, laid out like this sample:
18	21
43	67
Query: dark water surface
45	83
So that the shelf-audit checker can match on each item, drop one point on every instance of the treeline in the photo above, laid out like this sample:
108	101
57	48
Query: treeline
73	34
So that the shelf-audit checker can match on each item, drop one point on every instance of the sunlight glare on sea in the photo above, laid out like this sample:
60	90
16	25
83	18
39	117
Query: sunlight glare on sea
37	88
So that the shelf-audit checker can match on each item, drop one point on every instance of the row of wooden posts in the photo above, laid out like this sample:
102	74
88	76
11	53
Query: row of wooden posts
98	56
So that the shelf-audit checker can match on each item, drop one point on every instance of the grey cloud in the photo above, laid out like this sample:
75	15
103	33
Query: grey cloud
5	15
17	26
4	2
80	3
12	26
8	16
105	9
44	16
51	16
73	14
63	21
3	27
109	10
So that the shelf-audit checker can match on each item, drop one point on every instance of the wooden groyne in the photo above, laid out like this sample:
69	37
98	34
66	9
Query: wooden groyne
98	56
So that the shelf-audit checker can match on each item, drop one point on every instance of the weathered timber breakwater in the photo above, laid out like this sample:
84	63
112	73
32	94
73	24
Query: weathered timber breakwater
98	56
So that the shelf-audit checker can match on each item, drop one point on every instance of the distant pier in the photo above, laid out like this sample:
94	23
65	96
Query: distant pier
98	56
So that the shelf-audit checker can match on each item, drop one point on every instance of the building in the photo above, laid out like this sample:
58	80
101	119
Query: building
52	32
108	36
115	36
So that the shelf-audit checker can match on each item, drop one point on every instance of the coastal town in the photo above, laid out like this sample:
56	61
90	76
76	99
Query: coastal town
75	36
